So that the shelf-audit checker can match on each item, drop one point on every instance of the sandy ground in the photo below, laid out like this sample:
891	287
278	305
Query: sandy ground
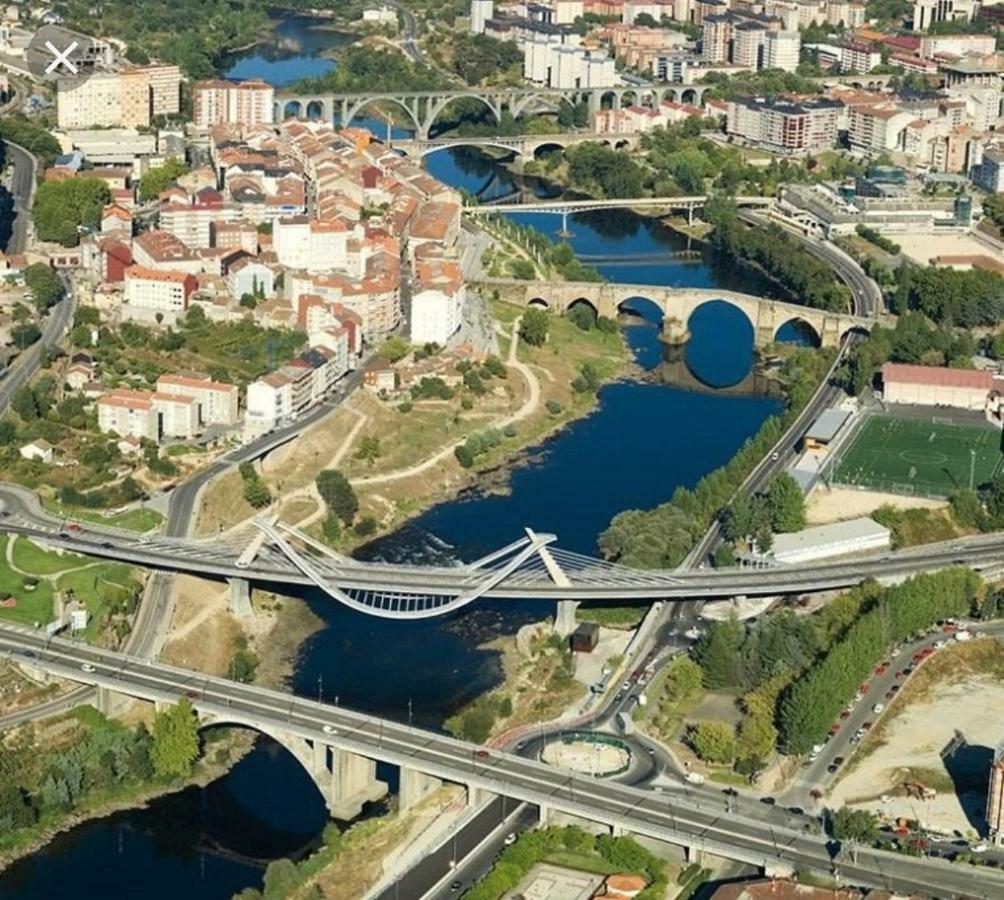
921	247
837	503
914	739
589	757
202	633
589	666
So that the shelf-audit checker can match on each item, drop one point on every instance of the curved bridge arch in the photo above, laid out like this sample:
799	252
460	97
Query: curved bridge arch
437	108
356	108
802	322
409	606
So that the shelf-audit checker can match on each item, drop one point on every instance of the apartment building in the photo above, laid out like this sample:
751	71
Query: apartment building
781	50
245	103
747	45
129	98
311	245
292	390
783	125
158	249
158	291
216	402
147	414
191	223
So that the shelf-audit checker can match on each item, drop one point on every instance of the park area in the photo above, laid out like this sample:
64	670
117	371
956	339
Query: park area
926	456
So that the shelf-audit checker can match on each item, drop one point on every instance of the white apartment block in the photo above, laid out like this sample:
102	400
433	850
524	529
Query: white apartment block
436	315
190	222
929	12
310	245
481	12
247	103
215	401
747	45
781	50
158	291
566	66
105	99
128	414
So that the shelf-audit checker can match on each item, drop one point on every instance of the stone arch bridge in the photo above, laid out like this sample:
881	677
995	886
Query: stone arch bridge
422	108
527	145
678	304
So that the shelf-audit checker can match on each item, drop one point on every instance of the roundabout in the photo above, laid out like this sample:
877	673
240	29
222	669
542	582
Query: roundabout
588	753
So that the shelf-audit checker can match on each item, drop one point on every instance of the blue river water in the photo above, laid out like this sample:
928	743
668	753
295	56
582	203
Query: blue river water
644	440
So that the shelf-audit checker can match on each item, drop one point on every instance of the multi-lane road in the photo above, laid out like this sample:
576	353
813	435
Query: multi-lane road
689	820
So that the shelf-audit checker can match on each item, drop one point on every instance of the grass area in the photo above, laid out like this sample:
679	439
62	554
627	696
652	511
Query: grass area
727	776
581	862
92	586
912	527
223	504
33	607
138	519
32	558
920	456
612	616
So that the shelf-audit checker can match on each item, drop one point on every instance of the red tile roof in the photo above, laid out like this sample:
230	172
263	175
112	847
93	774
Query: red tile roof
937	376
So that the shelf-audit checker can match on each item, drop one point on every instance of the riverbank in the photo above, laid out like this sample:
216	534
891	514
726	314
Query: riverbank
417	466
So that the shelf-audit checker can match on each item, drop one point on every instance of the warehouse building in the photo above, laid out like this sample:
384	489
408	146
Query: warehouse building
825	541
936	386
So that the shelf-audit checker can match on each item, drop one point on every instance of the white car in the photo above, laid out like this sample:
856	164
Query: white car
87	667
510	839
981	847
878	707
329	729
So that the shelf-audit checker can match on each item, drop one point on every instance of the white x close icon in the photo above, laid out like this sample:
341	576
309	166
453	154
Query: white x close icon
61	58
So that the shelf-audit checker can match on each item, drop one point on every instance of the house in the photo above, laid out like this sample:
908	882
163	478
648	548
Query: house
380	377
38	449
77	375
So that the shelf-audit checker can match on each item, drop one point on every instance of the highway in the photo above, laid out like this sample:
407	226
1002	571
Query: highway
410	584
694	822
23	191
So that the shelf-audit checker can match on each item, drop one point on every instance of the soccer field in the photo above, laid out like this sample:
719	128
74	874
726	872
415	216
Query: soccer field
919	456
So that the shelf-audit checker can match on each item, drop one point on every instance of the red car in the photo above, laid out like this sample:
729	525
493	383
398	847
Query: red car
919	655
881	670
863	687
73	526
834	728
866	726
845	714
815	793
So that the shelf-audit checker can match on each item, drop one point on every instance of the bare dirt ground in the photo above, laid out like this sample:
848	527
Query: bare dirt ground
202	633
835	504
960	689
921	247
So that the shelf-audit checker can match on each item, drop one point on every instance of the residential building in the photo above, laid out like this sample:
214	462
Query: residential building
191	223
128	414
859	57
216	402
158	291
781	50
37	449
672	67
105	99
784	125
930	12
292	390
716	38
481	12
435	315
311	245
747	45
159	249
245	103
249	276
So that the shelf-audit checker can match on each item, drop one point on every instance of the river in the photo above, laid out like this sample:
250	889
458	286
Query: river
644	440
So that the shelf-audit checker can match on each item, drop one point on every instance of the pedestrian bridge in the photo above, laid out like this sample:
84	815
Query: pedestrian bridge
677	305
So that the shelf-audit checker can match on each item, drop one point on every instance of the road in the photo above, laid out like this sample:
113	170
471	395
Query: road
693	821
23	191
465	854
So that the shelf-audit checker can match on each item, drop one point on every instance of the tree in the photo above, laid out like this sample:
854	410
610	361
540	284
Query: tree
857	825
395	349
44	284
15	810
534	326
369	448
175	744
281	879
737	521
713	742
717	653
786	504
25	404
63	208
756	739
160	178
338	495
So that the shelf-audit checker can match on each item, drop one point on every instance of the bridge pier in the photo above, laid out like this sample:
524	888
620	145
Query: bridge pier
415	786
347	781
564	617
240	598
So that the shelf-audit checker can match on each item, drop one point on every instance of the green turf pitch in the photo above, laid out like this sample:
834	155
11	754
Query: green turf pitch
921	456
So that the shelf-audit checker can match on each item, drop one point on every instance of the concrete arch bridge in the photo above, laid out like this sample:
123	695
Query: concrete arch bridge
422	108
526	145
677	306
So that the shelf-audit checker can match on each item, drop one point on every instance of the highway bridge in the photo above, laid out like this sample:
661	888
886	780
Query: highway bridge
520	145
530	568
340	748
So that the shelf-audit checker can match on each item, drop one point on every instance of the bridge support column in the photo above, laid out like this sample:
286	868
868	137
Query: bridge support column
415	786
351	782
564	617
693	855
109	703
477	795
240	598
617	831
